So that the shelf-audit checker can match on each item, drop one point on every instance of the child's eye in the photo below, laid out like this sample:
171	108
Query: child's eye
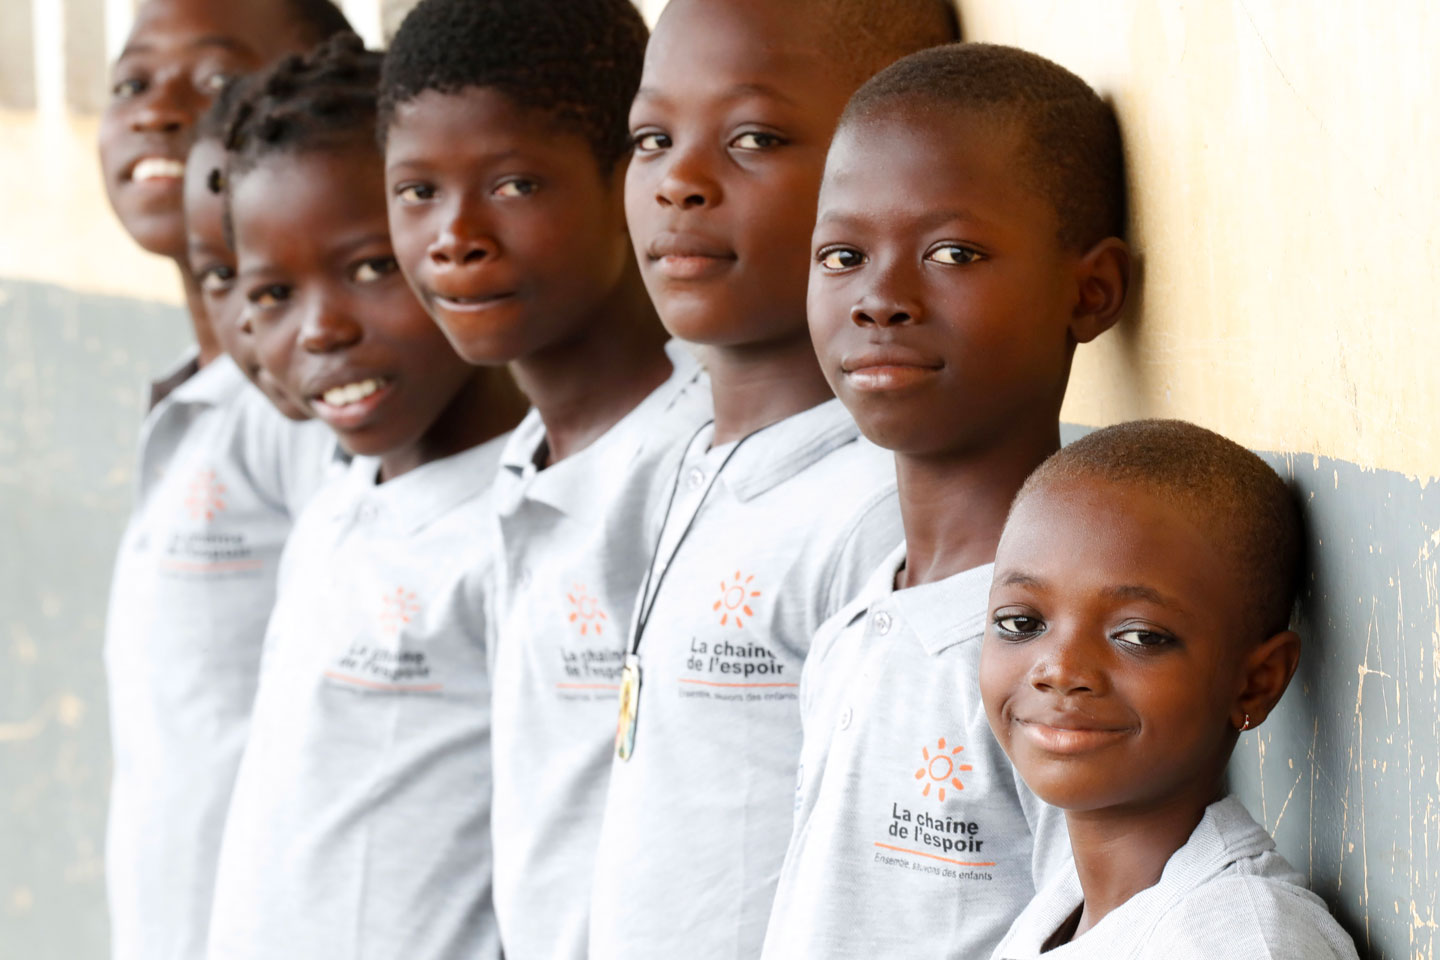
515	188
756	140
374	269
840	258
1018	625
125	89
269	296
650	142
1140	637
215	82
217	279
415	192
954	253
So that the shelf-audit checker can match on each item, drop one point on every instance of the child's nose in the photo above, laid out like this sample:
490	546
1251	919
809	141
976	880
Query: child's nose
1067	665
325	329
171	106
686	183
459	245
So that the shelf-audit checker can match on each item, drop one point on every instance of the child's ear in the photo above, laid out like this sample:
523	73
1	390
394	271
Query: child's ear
1104	277
1267	670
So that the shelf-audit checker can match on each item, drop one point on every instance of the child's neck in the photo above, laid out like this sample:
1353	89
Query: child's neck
756	385
953	507
585	385
485	407
205	337
1120	851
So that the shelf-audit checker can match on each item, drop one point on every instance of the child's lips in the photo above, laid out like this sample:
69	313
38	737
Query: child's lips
1069	736
888	368
349	405
156	170
461	303
680	256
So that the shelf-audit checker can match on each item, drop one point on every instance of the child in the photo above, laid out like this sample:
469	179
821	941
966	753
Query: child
967	240
506	147
219	477
1139	621
212	262
359	824
779	508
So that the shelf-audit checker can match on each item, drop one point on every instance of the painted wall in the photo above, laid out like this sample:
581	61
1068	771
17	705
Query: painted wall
1286	209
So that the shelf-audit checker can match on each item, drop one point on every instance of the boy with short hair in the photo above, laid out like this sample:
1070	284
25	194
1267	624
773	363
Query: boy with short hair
779	508
506	150
359	825
967	241
1139	623
219	477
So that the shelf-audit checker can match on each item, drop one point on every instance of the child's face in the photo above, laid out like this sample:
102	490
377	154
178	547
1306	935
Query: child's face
334	322
212	263
731	123
179	55
940	299
510	235
1115	653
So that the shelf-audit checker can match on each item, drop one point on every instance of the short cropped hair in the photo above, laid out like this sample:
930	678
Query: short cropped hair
315	20
1071	141
323	99
579	61
864	36
1223	488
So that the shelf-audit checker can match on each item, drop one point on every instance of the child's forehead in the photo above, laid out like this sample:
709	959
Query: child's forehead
245	29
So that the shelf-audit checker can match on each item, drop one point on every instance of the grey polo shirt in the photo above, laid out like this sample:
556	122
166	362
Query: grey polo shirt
576	538
219	477
697	819
1225	894
911	826
360	822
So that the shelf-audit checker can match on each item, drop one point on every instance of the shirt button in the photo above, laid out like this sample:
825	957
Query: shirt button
696	478
881	622
846	716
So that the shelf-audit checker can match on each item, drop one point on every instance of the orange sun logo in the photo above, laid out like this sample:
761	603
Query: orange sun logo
397	609
204	496
735	597
941	767
585	610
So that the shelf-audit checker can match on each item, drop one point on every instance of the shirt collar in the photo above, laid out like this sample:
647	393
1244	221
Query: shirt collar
1225	834
418	498
185	382
930	610
607	459
789	447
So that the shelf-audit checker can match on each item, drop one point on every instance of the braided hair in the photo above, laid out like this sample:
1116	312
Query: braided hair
323	99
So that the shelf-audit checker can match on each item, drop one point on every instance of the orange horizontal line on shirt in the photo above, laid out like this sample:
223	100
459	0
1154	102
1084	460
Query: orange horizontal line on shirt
188	566
918	853
712	683
587	686
389	687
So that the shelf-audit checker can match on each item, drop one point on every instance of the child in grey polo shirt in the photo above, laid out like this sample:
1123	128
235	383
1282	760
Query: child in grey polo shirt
1138	625
359	825
221	475
780	509
954	273
506	148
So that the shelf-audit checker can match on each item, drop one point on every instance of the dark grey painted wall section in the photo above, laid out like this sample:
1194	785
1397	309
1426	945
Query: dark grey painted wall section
1347	773
72	375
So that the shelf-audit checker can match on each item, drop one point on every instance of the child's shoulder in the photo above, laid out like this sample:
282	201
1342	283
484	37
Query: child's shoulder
1252	914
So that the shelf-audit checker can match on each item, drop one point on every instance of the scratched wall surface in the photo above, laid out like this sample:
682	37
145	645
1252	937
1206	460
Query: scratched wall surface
72	369
1346	774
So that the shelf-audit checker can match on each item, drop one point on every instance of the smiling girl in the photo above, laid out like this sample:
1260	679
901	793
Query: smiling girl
361	812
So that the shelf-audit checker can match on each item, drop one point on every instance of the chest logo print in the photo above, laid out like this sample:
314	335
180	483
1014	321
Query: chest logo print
941	767
585	611
735	597
204	496
397	608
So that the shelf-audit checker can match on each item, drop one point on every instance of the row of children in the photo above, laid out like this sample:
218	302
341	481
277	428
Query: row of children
860	712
